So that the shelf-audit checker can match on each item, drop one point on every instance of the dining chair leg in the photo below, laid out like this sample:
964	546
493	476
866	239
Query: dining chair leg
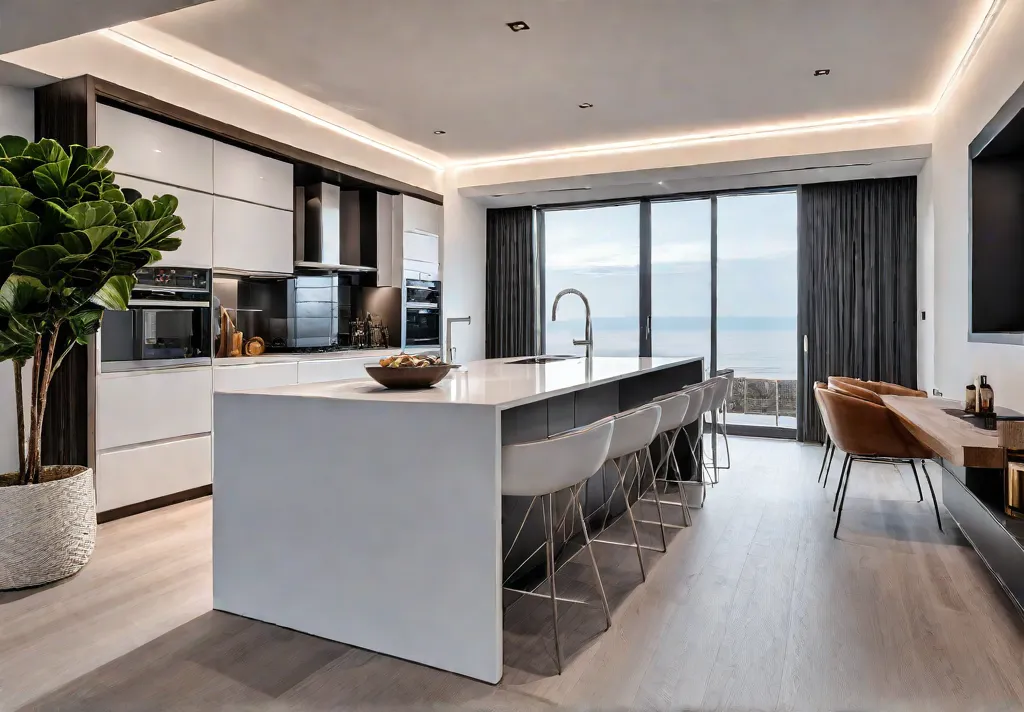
920	495
935	502
629	514
842	501
843	473
549	520
597	572
828	468
824	458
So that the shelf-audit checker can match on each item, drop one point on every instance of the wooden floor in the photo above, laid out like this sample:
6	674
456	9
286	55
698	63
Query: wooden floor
754	607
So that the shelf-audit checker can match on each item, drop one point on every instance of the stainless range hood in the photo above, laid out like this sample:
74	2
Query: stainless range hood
318	230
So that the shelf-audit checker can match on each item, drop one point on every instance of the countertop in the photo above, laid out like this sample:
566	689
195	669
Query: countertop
493	382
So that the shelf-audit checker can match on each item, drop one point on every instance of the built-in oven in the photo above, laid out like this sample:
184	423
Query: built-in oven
167	322
421	310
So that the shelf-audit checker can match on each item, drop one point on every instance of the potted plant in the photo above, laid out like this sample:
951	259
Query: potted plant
71	242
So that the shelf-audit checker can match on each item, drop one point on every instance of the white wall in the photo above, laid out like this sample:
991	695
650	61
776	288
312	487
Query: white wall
463	256
949	359
17	112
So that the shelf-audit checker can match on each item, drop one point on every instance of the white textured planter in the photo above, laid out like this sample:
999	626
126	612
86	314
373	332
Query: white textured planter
47	531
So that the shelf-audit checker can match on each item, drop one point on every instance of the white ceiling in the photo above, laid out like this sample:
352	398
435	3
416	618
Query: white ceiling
26	23
650	67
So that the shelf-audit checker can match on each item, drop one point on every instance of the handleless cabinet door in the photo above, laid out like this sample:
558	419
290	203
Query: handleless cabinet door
196	211
421	216
252	237
421	248
142	407
247	377
245	175
146	472
148	149
342	369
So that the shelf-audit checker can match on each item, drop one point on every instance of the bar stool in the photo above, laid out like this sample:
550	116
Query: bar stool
675	408
719	390
634	431
538	470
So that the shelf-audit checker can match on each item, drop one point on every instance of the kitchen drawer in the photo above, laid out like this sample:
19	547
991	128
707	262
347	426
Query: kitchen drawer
334	369
134	408
148	149
196	211
252	238
245	175
244	378
421	248
421	216
146	472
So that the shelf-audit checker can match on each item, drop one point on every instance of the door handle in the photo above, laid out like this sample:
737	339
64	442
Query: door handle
648	326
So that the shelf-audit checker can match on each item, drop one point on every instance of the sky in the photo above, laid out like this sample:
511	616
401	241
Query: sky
596	250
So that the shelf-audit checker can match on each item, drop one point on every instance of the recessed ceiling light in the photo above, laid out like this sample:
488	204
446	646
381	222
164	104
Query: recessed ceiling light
439	132
586	105
517	26
822	72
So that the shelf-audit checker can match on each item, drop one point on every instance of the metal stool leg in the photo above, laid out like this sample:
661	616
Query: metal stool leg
935	502
920	495
657	497
549	520
835	532
629	514
597	573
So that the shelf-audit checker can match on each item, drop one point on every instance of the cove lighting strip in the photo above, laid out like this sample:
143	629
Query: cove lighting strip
263	98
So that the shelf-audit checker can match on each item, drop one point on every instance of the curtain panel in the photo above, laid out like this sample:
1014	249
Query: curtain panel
511	277
857	287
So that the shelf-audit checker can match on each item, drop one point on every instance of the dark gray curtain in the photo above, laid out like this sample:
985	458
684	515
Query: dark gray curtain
511	306
858	286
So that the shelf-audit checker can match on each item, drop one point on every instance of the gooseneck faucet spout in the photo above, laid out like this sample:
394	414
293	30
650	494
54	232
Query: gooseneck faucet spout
588	336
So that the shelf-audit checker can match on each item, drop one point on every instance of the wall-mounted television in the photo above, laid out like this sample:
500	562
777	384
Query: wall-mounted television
997	227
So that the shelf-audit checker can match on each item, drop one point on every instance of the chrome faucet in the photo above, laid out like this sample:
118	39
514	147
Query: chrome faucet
588	336
449	349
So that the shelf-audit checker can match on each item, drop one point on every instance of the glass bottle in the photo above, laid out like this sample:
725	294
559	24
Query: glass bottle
971	400
986	398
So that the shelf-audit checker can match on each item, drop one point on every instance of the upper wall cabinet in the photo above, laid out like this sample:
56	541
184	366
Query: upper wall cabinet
421	216
249	176
148	149
252	238
196	211
421	248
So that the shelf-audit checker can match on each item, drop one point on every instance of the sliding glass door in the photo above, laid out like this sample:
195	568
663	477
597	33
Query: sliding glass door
711	275
597	251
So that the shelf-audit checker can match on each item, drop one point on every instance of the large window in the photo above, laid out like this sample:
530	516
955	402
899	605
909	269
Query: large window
711	276
597	251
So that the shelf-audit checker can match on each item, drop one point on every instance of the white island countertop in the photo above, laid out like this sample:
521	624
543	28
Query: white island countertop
494	382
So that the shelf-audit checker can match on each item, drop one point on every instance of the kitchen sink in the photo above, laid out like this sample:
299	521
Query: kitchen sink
536	360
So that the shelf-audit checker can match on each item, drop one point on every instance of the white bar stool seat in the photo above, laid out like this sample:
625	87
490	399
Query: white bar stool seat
634	432
676	408
541	468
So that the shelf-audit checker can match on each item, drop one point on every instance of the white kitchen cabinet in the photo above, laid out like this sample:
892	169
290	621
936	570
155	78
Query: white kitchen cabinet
138	474
421	248
321	370
196	211
421	216
140	407
252	237
245	175
149	149
247	377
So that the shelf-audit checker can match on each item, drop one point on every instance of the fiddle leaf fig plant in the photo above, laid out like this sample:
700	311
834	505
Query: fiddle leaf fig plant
71	242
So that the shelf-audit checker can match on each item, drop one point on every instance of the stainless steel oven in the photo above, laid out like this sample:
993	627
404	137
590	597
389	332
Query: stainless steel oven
167	322
421	306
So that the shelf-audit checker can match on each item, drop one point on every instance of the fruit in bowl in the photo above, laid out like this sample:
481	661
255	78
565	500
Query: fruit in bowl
404	360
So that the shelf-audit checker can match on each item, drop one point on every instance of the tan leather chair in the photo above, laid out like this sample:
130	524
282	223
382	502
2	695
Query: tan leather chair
871	391
830	446
869	432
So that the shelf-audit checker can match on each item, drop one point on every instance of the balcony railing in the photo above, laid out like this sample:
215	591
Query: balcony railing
763	396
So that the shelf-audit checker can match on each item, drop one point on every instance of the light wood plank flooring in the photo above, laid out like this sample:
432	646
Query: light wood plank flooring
754	607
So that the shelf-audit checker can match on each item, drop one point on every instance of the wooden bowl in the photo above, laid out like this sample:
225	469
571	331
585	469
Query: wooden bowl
410	377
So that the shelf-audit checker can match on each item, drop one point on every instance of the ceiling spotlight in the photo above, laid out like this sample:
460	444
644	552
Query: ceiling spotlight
822	72
517	26
439	132
586	105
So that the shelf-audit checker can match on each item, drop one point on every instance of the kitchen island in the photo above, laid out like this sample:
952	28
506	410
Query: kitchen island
374	517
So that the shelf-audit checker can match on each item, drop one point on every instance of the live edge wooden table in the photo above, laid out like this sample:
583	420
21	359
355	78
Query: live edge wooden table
972	484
